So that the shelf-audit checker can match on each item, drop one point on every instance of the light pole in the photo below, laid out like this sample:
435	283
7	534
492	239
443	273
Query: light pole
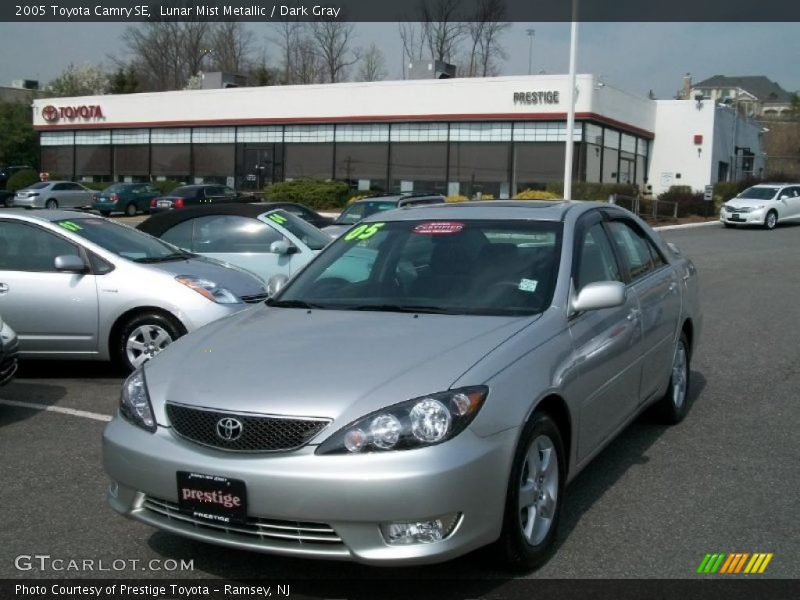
530	33
573	51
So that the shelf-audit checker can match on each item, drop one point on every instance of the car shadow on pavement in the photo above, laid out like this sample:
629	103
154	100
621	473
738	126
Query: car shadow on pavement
22	391
627	450
68	369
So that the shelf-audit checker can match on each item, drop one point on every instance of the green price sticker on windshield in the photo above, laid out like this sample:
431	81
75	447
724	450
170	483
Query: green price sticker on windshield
363	232
70	226
279	219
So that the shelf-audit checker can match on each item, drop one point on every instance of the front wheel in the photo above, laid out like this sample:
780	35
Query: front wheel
674	404
51	204
142	337
771	220
533	498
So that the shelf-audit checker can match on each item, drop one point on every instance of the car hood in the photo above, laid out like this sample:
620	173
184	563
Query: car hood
321	363
746	202
238	281
336	230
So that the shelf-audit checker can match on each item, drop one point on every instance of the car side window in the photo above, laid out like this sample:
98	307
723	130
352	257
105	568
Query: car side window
60	187
232	233
180	235
228	192
25	247
634	247
597	261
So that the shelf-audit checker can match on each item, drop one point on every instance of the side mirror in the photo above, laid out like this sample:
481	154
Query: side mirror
282	247
601	294
276	283
674	248
70	263
784	197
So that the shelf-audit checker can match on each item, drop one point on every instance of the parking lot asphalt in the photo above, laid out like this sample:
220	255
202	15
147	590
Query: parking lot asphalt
650	506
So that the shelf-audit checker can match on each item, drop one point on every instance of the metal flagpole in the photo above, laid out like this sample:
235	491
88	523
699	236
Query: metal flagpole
573	50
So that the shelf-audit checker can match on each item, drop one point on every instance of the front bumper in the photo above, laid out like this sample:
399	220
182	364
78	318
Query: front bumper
755	217
344	498
106	206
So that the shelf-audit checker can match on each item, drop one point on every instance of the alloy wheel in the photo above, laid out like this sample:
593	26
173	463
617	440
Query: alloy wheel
680	376
145	342
538	490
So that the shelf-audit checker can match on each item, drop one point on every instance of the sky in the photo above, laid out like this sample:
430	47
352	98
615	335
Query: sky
637	57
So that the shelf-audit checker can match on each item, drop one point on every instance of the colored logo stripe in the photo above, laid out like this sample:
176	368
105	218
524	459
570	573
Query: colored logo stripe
734	563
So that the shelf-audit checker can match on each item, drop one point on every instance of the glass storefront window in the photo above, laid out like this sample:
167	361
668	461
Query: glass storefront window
308	160
213	163
419	167
258	165
537	164
171	161
93	163
479	168
592	161
362	166
131	163
58	161
610	165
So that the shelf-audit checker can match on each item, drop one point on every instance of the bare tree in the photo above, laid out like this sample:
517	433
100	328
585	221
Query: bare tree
288	35
490	14
306	64
166	54
441	29
413	41
332	41
232	46
373	65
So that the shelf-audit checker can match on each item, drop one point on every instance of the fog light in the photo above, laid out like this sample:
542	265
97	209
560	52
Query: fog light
420	532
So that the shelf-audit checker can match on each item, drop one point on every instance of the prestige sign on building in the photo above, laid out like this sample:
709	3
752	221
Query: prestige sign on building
537	97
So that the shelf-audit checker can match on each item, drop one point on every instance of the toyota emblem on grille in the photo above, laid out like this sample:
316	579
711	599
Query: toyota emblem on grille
229	429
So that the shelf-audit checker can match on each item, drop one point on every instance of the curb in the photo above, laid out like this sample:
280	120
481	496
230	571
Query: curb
686	225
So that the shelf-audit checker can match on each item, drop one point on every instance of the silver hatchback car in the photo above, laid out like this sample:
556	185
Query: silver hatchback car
409	412
78	286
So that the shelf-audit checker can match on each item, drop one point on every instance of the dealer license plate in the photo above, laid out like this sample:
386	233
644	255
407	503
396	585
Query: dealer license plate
212	498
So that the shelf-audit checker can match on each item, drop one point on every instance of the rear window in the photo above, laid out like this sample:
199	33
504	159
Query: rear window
186	192
37	186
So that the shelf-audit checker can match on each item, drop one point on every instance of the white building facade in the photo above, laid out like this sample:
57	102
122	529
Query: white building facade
496	136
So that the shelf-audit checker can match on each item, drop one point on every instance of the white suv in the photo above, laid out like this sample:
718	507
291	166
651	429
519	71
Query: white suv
766	204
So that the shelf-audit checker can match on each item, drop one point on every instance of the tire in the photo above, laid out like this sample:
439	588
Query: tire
142	337
105	213
674	404
51	204
727	225
525	544
130	210
771	220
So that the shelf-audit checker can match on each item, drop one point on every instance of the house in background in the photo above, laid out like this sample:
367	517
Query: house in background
754	95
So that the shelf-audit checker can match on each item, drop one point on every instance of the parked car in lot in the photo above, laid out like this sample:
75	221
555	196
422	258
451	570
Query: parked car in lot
196	195
8	352
256	237
128	198
766	205
54	194
78	286
436	404
361	209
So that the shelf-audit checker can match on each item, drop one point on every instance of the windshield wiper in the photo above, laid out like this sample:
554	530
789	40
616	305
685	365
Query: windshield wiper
402	308
291	304
165	258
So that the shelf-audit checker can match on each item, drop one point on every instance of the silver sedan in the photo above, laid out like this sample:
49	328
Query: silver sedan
54	194
433	400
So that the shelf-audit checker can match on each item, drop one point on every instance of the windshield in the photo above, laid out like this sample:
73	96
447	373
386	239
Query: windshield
361	210
759	193
123	241
453	267
302	230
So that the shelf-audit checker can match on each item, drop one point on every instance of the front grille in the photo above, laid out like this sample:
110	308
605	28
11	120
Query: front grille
289	532
258	433
254	298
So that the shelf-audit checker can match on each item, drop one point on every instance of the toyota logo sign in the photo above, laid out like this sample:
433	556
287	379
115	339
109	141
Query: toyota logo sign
229	429
50	113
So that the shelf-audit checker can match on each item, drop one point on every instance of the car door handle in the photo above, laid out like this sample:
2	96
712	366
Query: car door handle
3	288
673	287
633	315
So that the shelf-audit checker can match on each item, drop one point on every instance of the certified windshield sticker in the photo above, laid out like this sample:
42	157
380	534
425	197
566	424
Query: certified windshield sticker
438	227
363	232
70	226
280	220
528	285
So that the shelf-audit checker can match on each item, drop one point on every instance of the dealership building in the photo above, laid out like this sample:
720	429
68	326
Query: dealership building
497	136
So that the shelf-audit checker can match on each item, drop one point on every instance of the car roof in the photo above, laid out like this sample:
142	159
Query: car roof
537	210
159	223
47	216
770	184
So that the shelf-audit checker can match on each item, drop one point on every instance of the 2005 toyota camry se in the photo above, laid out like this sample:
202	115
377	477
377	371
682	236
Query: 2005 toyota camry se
426	386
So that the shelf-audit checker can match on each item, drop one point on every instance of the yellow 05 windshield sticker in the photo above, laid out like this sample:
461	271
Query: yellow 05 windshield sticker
70	226
279	219
363	232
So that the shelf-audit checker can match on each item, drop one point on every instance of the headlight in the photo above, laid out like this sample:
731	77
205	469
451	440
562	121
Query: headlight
134	402
209	289
412	424
758	206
